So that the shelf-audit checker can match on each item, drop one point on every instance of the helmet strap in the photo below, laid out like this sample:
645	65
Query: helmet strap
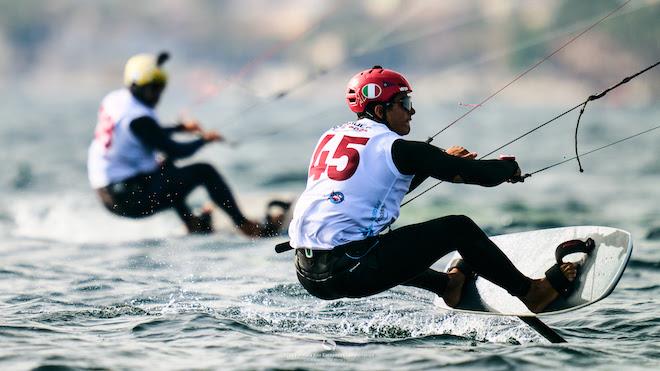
369	112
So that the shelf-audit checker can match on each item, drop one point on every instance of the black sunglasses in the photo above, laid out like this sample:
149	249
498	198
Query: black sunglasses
406	103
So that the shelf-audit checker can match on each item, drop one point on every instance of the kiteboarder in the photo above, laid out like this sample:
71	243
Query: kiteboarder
357	178
126	171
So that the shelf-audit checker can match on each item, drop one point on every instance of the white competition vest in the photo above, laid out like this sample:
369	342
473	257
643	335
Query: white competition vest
115	153
354	190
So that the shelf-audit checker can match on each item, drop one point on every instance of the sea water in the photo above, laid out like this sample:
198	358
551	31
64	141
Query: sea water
82	289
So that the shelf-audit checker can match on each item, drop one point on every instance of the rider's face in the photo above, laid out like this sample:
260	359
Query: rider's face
399	114
151	93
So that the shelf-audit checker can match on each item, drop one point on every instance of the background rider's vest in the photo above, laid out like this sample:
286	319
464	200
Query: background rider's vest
115	153
354	190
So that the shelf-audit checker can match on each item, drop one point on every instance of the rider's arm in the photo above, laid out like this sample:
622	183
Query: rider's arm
423	159
176	128
153	135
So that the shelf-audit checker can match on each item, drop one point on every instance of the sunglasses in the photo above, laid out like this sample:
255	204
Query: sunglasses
406	103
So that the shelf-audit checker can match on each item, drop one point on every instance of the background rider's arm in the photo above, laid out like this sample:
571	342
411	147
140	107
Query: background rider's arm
176	128
423	159
153	135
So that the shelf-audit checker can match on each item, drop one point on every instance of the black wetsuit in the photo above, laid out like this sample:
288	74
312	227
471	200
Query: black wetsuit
168	187
404	256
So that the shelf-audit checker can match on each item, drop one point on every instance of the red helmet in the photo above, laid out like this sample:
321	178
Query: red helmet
376	84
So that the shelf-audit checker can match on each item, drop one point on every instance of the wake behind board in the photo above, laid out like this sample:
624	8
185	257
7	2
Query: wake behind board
534	252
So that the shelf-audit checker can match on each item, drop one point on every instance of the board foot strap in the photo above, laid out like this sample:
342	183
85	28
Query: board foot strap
555	276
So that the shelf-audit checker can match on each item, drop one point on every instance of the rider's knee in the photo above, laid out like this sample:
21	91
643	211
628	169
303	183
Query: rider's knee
462	223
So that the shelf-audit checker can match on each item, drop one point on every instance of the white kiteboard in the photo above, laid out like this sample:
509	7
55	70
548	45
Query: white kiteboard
534	252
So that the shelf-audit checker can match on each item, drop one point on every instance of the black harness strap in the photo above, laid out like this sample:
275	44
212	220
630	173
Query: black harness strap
283	247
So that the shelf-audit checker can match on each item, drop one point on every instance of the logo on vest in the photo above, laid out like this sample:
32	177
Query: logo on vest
336	197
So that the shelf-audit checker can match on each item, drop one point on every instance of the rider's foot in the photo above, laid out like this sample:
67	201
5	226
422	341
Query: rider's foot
250	228
202	223
541	293
276	213
454	289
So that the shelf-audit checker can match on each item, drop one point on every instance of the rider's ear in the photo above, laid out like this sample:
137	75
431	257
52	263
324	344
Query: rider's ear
379	111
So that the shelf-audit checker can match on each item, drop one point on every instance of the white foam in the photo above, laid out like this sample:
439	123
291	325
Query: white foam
80	218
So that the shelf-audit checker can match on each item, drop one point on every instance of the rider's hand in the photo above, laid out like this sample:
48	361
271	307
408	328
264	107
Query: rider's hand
191	126
459	151
212	136
517	176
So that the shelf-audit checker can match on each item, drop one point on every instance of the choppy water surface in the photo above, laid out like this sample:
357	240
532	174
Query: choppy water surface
201	303
82	289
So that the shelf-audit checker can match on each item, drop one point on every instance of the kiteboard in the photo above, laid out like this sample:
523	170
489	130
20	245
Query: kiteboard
533	253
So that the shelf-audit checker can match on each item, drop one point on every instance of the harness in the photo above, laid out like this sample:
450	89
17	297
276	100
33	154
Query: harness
323	265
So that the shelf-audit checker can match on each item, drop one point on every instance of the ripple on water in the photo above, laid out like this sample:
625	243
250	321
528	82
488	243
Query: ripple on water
141	262
643	264
56	367
190	326
278	296
531	223
372	319
653	234
106	312
96	283
9	274
22	298
21	331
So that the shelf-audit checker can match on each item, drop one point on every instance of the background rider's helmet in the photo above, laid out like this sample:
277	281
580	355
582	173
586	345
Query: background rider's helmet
376	84
144	69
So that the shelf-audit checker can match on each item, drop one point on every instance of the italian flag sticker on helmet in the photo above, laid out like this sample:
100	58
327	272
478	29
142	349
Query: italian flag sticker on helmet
371	91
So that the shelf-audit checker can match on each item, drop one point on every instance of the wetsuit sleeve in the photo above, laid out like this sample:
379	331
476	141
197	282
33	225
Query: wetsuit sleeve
153	135
177	128
423	160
